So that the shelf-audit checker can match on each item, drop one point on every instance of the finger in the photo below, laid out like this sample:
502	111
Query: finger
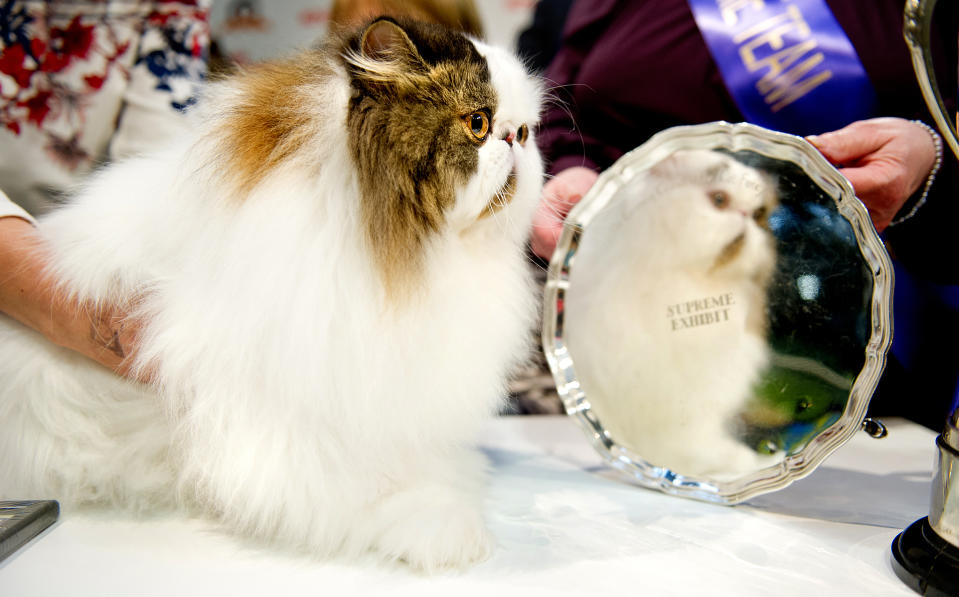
545	232
543	241
863	180
850	143
884	184
560	199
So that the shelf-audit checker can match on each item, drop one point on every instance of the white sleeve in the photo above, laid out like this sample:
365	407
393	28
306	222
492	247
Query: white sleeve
9	208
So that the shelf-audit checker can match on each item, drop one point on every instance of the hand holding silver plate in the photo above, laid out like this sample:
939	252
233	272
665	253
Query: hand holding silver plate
717	311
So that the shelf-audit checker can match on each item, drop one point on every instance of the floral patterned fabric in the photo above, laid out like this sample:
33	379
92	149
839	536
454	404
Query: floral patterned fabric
86	81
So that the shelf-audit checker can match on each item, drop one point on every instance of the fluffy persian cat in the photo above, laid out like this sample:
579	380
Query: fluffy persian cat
666	311
332	270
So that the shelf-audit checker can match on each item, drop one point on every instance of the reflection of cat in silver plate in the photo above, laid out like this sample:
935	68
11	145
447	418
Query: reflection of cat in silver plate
666	311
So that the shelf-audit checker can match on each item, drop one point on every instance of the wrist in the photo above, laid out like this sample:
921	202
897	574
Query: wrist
27	292
31	296
21	267
913	205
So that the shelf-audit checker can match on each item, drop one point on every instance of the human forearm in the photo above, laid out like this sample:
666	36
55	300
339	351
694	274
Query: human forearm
30	295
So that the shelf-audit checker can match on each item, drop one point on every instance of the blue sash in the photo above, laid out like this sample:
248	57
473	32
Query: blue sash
787	63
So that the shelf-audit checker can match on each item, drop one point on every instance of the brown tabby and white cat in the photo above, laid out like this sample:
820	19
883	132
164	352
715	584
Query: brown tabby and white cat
666	311
333	273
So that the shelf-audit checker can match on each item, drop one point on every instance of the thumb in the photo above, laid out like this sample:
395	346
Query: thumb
847	144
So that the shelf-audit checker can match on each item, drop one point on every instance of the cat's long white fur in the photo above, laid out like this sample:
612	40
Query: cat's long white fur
294	402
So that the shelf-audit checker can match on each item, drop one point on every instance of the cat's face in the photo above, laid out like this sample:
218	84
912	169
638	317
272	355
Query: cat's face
440	132
713	213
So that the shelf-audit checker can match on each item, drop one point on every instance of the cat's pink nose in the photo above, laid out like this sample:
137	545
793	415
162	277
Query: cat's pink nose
520	135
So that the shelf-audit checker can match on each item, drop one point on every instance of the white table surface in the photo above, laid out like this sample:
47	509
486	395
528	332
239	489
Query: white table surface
563	525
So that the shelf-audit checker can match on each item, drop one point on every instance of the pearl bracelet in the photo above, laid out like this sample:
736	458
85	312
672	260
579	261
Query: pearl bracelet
937	142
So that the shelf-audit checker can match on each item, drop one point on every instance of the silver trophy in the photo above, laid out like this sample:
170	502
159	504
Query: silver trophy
926	554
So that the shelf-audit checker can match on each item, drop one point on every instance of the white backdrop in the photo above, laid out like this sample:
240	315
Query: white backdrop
253	30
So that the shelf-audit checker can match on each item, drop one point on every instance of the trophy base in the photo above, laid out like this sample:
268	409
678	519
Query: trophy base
925	561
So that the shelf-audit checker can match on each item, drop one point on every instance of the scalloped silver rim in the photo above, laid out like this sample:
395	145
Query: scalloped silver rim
732	137
917	30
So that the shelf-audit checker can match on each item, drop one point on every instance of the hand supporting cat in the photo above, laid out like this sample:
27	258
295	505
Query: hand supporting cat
334	277
28	294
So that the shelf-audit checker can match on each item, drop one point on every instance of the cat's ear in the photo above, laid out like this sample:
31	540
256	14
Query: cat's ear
386	53
672	166
385	40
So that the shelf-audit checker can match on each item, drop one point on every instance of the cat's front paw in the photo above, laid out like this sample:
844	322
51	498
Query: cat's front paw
432	529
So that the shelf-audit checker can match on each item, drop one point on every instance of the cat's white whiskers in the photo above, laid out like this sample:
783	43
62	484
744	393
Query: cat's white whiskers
496	205
558	215
552	99
533	260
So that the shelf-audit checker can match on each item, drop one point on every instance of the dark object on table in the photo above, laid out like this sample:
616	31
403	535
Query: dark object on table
925	562
926	555
22	521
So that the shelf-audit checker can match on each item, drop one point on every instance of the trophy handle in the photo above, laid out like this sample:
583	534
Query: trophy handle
918	22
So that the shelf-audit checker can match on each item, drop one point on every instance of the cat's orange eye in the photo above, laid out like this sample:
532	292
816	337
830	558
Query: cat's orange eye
478	124
522	134
719	198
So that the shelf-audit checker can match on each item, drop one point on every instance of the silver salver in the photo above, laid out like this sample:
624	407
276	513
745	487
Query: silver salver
717	312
